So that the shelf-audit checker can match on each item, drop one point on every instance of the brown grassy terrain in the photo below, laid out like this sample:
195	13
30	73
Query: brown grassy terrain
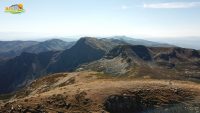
85	92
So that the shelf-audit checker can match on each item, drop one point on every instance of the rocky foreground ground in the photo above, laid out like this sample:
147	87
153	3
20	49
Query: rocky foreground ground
92	92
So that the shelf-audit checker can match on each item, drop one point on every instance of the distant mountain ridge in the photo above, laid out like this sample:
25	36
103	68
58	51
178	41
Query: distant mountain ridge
134	41
13	48
10	49
49	45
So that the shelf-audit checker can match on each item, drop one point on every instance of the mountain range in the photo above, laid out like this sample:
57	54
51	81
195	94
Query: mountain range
49	45
111	56
134	41
13	48
10	49
110	75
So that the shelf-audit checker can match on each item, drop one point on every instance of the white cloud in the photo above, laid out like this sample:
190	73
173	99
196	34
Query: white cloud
172	5
124	7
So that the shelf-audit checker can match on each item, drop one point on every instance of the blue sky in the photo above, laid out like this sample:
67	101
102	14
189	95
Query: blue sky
145	18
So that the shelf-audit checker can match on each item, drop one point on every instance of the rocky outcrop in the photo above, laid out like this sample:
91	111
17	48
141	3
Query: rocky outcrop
144	100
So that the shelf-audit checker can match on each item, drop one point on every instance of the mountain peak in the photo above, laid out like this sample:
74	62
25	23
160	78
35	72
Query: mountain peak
87	40
95	43
54	40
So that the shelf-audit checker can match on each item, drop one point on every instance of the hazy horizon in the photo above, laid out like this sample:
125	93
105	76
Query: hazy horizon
142	18
168	21
186	42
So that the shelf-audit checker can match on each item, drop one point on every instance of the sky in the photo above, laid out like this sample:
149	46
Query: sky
141	18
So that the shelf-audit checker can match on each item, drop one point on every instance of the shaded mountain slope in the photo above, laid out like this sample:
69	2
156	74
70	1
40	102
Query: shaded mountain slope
180	54
141	52
149	61
16	72
120	59
28	66
84	51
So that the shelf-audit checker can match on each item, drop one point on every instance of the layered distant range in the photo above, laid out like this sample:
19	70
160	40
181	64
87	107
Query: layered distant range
23	61
9	49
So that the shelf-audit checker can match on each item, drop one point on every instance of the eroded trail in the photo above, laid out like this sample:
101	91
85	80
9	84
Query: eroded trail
91	92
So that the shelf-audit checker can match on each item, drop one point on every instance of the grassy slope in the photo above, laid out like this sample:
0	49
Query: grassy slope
87	91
